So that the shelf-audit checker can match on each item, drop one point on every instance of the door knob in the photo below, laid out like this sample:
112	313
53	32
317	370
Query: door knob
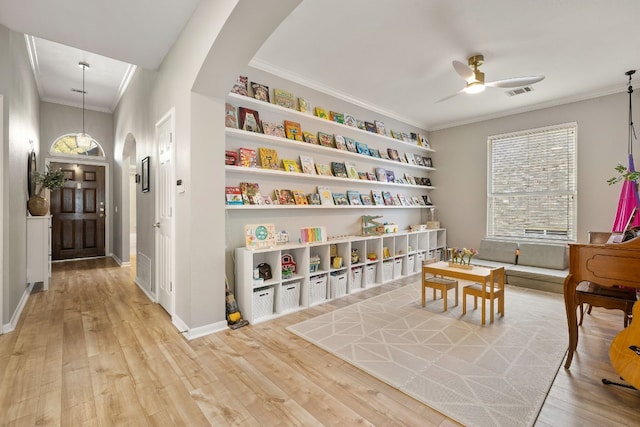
156	225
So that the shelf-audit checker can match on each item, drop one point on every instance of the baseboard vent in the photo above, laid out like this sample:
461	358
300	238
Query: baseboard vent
143	271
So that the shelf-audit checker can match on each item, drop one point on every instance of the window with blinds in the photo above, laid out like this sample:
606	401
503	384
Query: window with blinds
531	184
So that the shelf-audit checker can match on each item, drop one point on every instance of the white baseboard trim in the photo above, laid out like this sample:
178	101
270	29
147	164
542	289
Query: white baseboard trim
147	293
119	261
200	331
16	314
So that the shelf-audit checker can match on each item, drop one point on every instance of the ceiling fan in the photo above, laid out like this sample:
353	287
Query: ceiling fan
475	78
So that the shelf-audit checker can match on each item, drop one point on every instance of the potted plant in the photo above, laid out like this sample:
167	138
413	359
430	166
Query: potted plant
51	180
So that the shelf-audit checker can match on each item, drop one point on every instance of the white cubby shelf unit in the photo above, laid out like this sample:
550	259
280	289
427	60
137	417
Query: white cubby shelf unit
382	258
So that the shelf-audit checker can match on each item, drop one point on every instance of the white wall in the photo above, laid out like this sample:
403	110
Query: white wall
199	214
21	116
461	160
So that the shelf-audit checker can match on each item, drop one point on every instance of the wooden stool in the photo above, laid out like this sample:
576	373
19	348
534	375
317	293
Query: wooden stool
441	284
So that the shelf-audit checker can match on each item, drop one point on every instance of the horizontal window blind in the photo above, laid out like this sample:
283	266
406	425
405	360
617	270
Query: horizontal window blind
532	184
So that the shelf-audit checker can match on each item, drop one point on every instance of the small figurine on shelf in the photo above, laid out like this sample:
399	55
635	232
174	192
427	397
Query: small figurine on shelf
282	237
355	256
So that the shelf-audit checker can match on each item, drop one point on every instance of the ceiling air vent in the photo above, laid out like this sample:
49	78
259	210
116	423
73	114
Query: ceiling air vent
519	91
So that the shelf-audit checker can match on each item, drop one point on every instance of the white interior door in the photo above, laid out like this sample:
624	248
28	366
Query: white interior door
164	223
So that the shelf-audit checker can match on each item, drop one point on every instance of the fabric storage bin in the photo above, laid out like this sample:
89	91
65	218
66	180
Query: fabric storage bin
338	284
262	302
411	259
418	262
290	296
356	277
317	288
370	274
397	267
387	270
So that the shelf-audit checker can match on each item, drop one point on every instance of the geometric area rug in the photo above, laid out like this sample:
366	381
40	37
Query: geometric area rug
493	375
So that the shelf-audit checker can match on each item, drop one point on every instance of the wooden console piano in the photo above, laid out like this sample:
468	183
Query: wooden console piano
605	264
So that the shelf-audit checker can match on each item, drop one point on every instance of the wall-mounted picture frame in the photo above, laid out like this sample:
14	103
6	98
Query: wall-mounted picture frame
145	175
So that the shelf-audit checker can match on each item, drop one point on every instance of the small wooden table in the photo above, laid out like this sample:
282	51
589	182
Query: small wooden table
486	276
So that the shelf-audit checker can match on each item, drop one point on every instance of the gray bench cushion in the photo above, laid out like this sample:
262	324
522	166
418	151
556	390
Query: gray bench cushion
543	255
495	250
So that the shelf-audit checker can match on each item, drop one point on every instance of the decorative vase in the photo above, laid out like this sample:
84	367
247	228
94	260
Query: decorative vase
38	206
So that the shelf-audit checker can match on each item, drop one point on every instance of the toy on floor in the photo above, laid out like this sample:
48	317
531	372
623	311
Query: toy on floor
234	317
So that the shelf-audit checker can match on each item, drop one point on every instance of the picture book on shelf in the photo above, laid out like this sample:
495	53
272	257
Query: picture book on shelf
406	137
340	142
419	160
410	179
284	98
370	127
349	120
371	176
241	87
384	154
323	169
376	195
230	157
427	162
362	175
410	158
393	154
230	116
417	201
380	127
414	138
362	148
322	113
396	135
352	172
299	197
290	165
311	138
354	198
266	199
366	199
387	198
269	158
326	139
247	157
391	177
339	169
284	197
304	105
326	198
293	130
381	174
273	129
313	198
360	124
248	119
340	199
423	141
396	200
307	164
403	199
251	193
427	199
233	196
351	144
374	152
427	181
336	117
260	91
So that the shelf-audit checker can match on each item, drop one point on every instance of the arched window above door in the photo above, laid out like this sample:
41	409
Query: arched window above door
71	145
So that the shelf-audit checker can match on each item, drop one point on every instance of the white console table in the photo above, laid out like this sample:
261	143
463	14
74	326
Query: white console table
39	250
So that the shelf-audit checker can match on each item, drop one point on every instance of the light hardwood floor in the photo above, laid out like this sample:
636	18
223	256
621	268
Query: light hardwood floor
93	350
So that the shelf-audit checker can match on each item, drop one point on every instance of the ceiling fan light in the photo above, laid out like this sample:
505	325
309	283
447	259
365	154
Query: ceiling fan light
474	87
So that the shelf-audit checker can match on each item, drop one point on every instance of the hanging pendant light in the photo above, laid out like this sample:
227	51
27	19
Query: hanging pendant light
82	139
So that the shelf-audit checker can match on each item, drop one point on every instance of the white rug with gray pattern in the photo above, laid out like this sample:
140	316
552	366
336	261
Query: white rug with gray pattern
493	375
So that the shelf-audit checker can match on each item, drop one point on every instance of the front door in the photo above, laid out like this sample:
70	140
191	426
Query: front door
78	211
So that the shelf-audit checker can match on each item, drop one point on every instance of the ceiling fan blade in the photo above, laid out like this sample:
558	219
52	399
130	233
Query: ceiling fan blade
515	82
450	96
464	71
